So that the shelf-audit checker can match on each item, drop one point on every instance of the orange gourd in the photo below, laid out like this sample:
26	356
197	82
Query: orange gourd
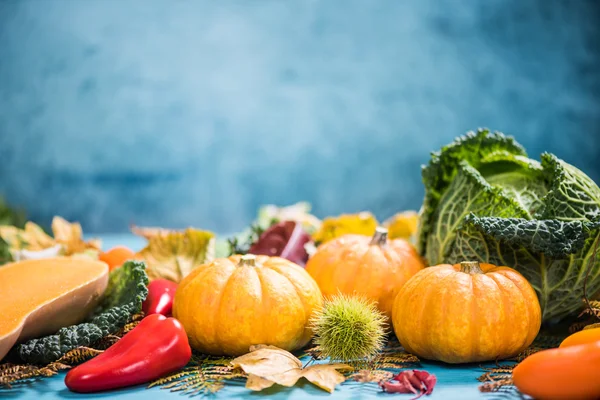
582	337
232	303
468	312
567	373
375	268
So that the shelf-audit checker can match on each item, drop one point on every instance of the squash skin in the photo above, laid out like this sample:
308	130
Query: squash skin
447	315
351	264
47	312
227	306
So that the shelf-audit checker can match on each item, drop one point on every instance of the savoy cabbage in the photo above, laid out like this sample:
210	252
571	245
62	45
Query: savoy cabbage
486	200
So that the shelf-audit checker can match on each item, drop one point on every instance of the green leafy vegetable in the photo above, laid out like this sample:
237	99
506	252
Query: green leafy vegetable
486	200
123	298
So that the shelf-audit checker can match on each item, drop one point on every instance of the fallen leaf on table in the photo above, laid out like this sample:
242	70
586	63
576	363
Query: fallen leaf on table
175	254
410	381
267	365
325	376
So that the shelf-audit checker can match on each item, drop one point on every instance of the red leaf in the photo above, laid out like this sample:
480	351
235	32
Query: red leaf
428	379
415	381
396	387
285	239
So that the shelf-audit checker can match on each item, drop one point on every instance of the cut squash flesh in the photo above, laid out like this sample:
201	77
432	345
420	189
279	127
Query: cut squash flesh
38	297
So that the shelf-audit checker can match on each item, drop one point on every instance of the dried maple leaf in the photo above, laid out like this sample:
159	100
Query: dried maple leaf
269	365
175	254
363	223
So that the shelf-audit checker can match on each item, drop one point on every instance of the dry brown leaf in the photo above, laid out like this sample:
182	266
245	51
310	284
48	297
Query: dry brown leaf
267	365
257	383
175	254
71	236
325	376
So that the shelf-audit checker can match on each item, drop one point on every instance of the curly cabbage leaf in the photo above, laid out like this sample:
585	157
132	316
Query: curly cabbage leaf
485	200
123	299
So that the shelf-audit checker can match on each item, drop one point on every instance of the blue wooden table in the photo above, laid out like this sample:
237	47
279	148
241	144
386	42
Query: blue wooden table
454	382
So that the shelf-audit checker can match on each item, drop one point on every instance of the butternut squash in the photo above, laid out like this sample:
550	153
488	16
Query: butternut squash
38	297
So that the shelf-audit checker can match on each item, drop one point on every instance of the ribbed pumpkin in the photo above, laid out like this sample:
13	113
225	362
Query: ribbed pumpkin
232	303
468	312
375	268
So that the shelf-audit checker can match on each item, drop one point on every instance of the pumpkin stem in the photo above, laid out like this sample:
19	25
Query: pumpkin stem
470	267
380	237
248	260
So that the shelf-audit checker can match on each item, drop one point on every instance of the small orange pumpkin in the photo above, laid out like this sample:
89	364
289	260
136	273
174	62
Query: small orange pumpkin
375	268
232	303
468	312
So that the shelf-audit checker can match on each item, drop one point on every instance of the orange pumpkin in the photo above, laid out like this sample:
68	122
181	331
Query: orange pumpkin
468	312
375	268
232	303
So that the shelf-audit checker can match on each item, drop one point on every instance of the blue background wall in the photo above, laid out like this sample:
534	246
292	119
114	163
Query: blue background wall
197	112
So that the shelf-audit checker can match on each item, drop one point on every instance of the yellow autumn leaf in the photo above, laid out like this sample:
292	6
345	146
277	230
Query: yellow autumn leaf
363	223
268	365
70	235
403	225
148	232
174	255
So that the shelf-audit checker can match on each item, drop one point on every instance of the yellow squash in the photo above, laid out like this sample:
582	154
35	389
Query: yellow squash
38	297
233	303
468	312
373	267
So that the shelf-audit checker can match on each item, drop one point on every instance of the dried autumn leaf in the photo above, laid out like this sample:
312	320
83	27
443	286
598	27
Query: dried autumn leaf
410	381
174	255
267	365
70	235
363	223
403	225
149	232
325	376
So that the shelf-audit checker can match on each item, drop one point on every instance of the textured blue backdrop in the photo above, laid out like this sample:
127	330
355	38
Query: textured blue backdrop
196	112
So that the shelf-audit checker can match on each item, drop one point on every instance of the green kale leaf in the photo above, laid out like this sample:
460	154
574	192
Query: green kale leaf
127	289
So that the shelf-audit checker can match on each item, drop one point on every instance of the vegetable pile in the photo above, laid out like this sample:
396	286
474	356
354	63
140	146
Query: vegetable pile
502	244
486	200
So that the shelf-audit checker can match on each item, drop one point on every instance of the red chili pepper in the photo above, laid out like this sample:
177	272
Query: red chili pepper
157	346
161	293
